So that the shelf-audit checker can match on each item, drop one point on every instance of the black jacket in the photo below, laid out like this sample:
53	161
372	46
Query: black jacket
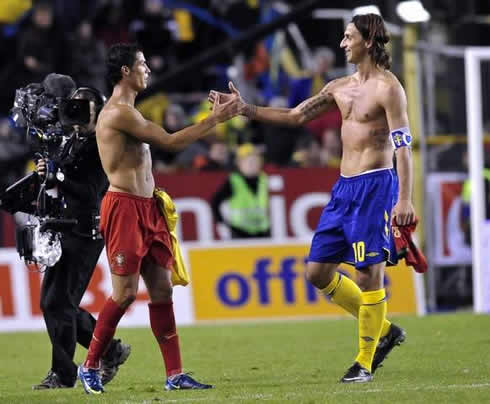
83	186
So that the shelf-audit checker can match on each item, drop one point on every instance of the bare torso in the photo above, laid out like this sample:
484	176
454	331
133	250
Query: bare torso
125	159
365	131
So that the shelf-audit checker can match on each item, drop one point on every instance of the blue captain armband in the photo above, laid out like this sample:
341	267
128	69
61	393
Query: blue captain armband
401	137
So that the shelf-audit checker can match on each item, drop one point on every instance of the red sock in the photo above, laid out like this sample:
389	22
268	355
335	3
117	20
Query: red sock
105	329
162	322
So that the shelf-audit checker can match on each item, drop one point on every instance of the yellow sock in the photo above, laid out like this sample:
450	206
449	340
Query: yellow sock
385	328
346	294
371	315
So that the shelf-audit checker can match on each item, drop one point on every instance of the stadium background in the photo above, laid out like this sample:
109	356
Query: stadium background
278	53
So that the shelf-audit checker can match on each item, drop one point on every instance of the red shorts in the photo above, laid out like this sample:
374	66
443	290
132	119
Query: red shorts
134	230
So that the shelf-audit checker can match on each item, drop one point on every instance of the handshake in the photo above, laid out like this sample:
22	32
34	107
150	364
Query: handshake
227	105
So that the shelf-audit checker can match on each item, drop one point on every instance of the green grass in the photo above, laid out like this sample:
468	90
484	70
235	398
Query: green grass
446	359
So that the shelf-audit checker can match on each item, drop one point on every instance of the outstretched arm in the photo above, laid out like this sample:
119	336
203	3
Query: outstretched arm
395	104
128	120
304	112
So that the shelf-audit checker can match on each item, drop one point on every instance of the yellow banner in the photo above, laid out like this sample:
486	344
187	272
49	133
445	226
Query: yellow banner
253	281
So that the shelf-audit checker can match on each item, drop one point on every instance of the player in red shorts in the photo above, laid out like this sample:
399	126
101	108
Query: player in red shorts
136	234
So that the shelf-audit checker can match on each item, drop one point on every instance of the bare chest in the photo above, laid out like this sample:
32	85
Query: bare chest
358	103
140	153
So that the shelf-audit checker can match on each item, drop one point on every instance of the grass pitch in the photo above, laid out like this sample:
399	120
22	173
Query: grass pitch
445	359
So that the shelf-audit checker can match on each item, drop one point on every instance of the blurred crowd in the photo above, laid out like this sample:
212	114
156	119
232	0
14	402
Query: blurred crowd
44	36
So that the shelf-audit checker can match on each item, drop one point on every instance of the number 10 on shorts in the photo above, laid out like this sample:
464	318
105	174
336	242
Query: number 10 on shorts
359	251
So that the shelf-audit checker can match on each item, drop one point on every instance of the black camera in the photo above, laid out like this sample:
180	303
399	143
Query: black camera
57	117
52	108
74	112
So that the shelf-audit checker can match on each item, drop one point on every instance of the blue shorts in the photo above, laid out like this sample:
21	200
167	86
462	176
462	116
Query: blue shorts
355	226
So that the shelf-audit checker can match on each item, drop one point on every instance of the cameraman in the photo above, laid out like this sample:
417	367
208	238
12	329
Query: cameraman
80	180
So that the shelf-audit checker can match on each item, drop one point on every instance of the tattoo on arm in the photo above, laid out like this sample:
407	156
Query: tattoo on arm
310	108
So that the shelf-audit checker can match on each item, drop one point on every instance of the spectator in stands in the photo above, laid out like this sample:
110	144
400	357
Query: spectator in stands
218	157
310	152
280	140
12	14
331	145
174	119
247	195
88	58
111	21
41	46
69	14
305	84
310	82
152	32
209	153
189	157
307	153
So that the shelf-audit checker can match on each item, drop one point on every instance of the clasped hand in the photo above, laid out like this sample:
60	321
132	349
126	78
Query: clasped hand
232	100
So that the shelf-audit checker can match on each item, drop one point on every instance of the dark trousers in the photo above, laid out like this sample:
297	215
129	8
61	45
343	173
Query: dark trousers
62	290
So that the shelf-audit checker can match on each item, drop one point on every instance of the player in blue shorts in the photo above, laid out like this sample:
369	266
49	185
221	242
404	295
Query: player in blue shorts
355	226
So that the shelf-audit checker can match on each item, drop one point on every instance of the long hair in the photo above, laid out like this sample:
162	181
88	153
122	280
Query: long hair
372	28
119	55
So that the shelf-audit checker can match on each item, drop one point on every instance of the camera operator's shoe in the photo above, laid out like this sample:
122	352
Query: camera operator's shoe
395	336
51	381
90	379
184	382
115	356
357	374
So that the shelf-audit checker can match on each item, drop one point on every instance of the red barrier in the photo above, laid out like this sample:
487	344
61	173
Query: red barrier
291	185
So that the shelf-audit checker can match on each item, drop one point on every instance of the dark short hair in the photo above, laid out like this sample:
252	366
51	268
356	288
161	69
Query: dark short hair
119	55
372	28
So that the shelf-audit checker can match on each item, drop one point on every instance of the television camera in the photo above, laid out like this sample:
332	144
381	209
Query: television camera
57	118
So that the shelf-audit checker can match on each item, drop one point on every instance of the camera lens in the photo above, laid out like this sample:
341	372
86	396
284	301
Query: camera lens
75	112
